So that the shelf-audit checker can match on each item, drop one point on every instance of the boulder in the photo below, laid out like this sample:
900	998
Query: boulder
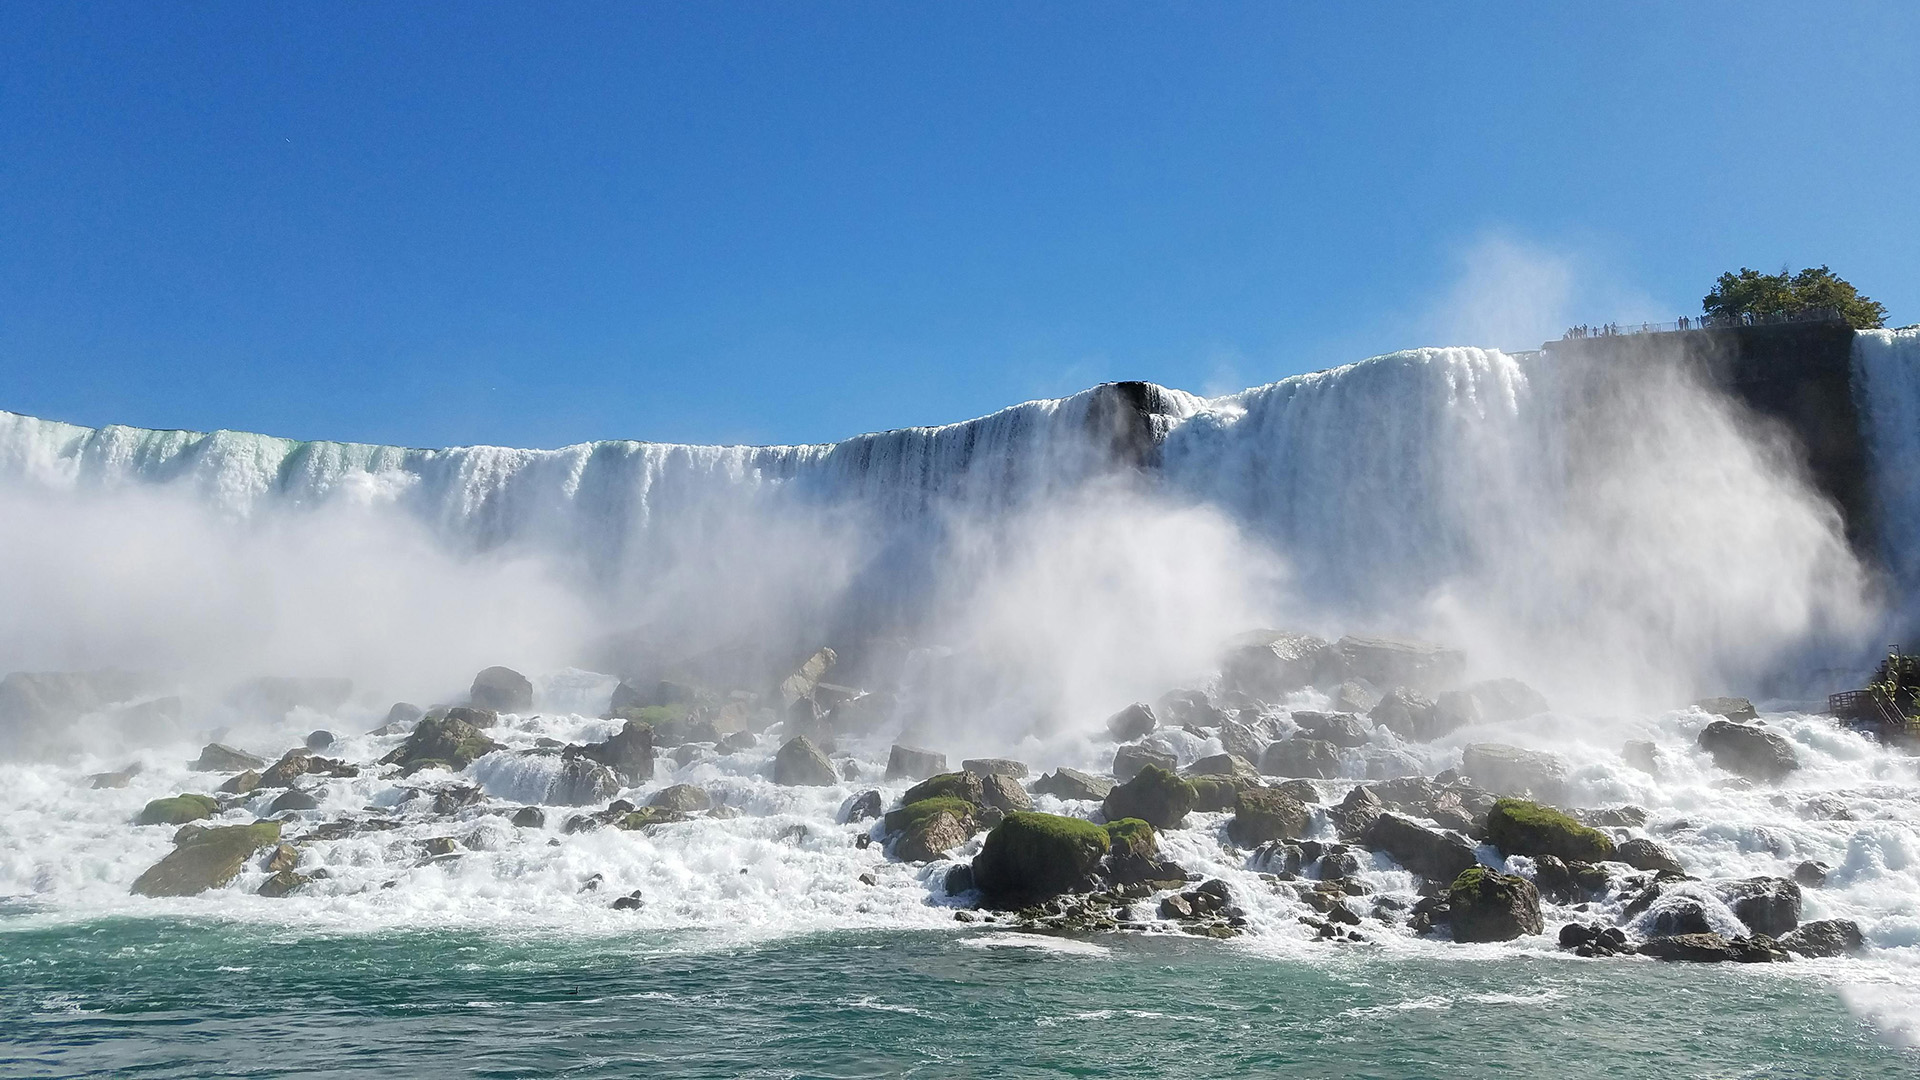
529	817
1748	751
1518	827
1340	729
1263	814
735	741
1312	758
866	713
292	765
400	718
1411	715
1129	760
1644	854
206	859
1767	905
1072	784
996	766
905	762
863	807
1270	664
800	763
1509	770
1356	813
1389	662
1187	708
969	788
1555	879
1031	857
1737	709
1710	948
448	742
472	715
1243	740
1215	793
319	740
215	757
1434	855
629	752
1131	836
926	830
1228	765
178	810
241	784
292	799
281	883
113	780
1486	905
1136	721
1004	793
582	782
1154	795
801	683
686	798
1810	875
1828	937
1356	696
1385	763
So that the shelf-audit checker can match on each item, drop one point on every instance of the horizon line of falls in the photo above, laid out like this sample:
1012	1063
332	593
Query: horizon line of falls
1617	534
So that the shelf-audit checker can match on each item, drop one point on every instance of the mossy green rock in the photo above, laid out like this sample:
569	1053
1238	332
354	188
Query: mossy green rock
1154	795
965	786
442	740
178	810
206	859
1132	836
1032	856
1486	905
1214	793
916	813
1263	814
1519	827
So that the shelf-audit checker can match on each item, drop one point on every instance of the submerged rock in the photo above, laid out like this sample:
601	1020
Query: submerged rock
800	763
1072	784
112	780
206	859
1748	751
905	762
1519	827
1486	905
1154	795
502	689
1828	937
1767	905
178	810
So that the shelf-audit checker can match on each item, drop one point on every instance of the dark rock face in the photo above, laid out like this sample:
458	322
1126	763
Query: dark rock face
529	817
863	807
1263	814
1269	664
1136	721
628	752
1748	751
1154	795
1309	758
800	763
1030	857
1129	760
629	696
1073	784
1340	729
1679	917
1485	905
319	740
1768	905
1737	709
1518	827
905	762
1386	662
1004	793
206	859
967	787
1710	949
1432	854
178	810
1643	854
1555	880
292	799
1509	770
1356	813
447	741
995	766
215	757
1828	937
1411	715
1810	875
582	782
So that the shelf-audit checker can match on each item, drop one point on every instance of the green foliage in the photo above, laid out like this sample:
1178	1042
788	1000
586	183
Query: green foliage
1751	292
915	814
1131	834
178	810
1519	827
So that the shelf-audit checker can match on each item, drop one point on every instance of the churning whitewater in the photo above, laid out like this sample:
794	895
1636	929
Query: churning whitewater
1603	556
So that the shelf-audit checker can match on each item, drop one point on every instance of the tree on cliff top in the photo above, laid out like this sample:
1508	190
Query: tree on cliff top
1751	292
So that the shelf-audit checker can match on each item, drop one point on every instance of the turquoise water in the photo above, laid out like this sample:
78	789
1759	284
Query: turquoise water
152	998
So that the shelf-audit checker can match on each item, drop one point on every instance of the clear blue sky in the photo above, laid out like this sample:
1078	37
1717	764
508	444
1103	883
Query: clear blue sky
538	224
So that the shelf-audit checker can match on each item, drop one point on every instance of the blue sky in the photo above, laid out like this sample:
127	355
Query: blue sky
540	224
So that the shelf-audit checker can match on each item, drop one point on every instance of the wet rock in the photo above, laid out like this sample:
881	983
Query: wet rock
1004	793
865	806
1073	784
529	817
1711	948
1590	940
959	880
1136	721
1299	789
926	830
633	901
1828	937
967	787
807	676
207	859
629	753
453	798
685	798
1312	758
1737	709
582	782
319	740
1642	755
1356	814
734	742
682	730
1555	880
1243	740
1767	905
1216	793
111	780
800	763
906	762
1644	854
648	695
1356	696
1389	662
645	817
215	757
282	857
1519	827
1679	917
1229	765
472	715
995	767
1810	875
1263	814
1485	905
1030	857
1189	708
447	742
1270	664
178	810
1510	770
283	883
1129	760
400	718
1410	714
1154	795
1340	729
1748	751
292	799
1432	854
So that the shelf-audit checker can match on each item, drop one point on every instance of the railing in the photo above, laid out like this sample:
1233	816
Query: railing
1869	705
1705	322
